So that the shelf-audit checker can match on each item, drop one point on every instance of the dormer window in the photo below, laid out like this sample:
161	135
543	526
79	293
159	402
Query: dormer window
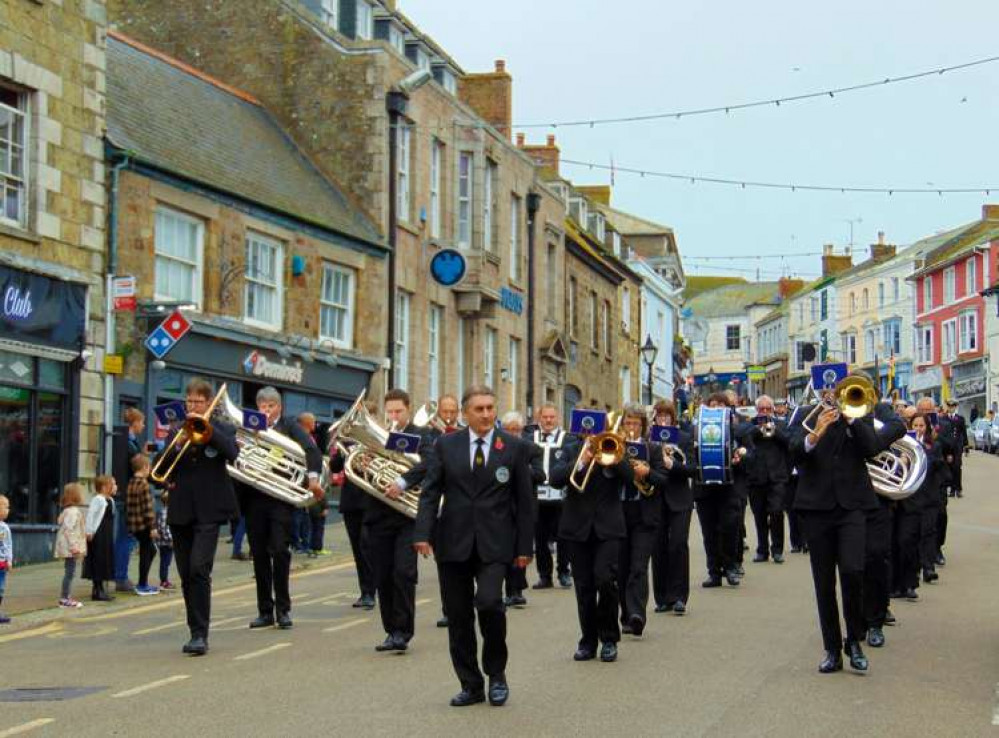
364	21
328	12
397	40
598	226
560	189
417	54
578	210
616	243
446	78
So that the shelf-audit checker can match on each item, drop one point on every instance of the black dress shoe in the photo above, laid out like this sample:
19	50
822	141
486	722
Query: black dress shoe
518	600
626	629
875	637
796	549
196	647
897	594
465	697
359	602
284	621
387	645
679	607
543	584
663	608
732	577
712	581
499	691
608	652
368	602
778	558
760	558
940	561
399	643
262	621
889	618
637	624
585	653
564	580
910	594
930	576
857	659
507	602
832	662
442	622
102	597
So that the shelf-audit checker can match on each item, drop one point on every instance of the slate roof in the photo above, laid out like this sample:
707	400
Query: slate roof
944	247
732	299
174	118
698	284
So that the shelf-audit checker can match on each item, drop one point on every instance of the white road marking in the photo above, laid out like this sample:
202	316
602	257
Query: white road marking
152	685
344	626
262	652
178	623
24	728
423	601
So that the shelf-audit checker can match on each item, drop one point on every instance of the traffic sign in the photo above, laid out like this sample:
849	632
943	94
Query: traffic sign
159	342
123	292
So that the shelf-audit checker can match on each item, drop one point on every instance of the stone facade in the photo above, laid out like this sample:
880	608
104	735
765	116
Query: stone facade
52	65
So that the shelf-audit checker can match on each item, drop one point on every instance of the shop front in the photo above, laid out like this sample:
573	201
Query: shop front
796	387
42	333
969	384
720	382
927	382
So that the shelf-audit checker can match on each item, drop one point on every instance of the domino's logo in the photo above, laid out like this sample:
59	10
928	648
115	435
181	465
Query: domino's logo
250	361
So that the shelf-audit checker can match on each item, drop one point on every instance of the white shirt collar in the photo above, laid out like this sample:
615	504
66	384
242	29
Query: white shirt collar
488	438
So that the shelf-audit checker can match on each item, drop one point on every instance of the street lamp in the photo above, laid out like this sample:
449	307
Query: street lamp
649	352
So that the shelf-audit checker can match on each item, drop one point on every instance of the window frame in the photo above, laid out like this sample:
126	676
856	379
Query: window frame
489	207
728	337
489	357
435	324
924	343
594	328
881	294
571	307
947	356
513	376
262	239
197	275
966	317
626	309
465	197
516	208
403	167
332	268
329	12
950	284
400	353
368	15
24	113
605	325
927	293
970	276
436	169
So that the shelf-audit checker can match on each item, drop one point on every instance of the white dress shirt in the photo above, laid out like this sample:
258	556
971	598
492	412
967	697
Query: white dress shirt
472	445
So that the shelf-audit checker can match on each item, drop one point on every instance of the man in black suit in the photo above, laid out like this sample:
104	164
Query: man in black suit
592	527
767	474
485	524
549	438
834	495
955	433
671	555
201	500
269	520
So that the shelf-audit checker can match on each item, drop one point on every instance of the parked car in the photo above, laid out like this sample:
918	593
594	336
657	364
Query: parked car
980	435
994	436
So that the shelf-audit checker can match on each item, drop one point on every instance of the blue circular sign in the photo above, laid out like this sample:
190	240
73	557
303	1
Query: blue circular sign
448	267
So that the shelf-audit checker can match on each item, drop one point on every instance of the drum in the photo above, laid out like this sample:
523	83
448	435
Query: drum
714	450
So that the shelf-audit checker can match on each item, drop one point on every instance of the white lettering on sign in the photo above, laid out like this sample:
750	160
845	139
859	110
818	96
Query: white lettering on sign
16	305
258	365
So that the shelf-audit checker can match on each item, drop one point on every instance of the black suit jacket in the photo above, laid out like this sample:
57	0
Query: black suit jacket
492	511
597	509
202	491
677	494
353	499
928	495
379	515
767	462
834	473
313	456
651	506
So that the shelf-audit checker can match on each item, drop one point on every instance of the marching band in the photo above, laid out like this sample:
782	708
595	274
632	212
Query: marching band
608	497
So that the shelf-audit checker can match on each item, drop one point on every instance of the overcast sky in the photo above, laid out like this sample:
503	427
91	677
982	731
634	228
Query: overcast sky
574	59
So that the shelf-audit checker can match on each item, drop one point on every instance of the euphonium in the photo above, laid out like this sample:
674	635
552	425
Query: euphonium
608	449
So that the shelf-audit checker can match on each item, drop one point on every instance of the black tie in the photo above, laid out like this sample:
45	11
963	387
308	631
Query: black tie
545	438
480	455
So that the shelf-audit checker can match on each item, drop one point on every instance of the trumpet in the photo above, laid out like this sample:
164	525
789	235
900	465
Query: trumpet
607	448
196	431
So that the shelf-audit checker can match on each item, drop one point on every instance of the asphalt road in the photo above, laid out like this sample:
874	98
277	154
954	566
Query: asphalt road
742	662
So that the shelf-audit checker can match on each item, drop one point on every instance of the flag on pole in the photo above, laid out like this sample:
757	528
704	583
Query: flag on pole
891	373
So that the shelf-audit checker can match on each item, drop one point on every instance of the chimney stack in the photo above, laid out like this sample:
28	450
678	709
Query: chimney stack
881	251
545	157
990	212
490	95
832	263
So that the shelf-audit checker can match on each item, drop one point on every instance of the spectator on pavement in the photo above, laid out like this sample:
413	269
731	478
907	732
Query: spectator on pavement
6	552
98	567
71	540
142	520
165	542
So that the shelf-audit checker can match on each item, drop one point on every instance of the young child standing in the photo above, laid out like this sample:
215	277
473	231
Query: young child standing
71	540
6	552
142	520
165	542
98	567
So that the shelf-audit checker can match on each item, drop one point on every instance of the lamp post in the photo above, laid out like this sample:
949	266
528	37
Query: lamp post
649	352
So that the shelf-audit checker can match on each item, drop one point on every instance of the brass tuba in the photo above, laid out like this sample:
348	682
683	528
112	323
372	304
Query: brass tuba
368	464
428	417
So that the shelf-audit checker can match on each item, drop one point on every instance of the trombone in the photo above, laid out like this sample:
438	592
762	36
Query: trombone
197	431
853	396
608	449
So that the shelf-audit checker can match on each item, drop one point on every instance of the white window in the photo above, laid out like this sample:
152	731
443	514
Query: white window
849	342
327	11
512	372
400	365
950	285
732	338
397	40
488	190
970	276
949	341
616	243
605	326
435	322
489	358
465	199
853	303
626	309
460	363
571	308
365	20
403	154
336	305
179	245
598	226
436	166
870	345
579	211
814	304
893	337
799	359
515	265
927	293
13	160
594	327
924	342
969	331
264	288
625	385
881	294
894	289
449	82
865	302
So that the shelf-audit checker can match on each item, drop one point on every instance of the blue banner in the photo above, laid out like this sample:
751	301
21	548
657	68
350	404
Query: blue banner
405	443
827	376
171	412
586	422
637	450
254	420
665	434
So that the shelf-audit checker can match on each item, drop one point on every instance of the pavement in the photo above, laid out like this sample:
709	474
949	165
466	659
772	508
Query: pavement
741	662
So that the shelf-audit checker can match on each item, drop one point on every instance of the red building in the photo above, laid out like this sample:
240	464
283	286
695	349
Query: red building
950	313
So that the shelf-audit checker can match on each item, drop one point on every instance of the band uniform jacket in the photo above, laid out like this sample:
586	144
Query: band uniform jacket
767	464
737	431
379	515
352	498
596	509
835	471
491	510
928	494
201	489
651	505
313	465
677	494
556	451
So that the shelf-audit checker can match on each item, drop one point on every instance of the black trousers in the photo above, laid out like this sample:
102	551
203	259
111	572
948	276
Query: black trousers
354	523
767	503
795	534
194	547
956	468
837	540
718	512
516	580
877	566
941	525
268	526
546	532
147	552
594	576
470	586
905	558
393	561
633	558
928	538
671	559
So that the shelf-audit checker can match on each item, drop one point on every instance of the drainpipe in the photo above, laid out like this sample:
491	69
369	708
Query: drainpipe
120	160
533	204
396	104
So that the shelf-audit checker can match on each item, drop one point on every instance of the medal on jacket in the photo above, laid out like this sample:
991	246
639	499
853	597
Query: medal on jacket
502	475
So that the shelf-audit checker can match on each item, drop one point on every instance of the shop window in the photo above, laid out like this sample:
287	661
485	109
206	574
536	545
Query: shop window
336	305
179	245
263	281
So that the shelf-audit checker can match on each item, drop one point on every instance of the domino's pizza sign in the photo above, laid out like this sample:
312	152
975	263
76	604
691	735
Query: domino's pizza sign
167	334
